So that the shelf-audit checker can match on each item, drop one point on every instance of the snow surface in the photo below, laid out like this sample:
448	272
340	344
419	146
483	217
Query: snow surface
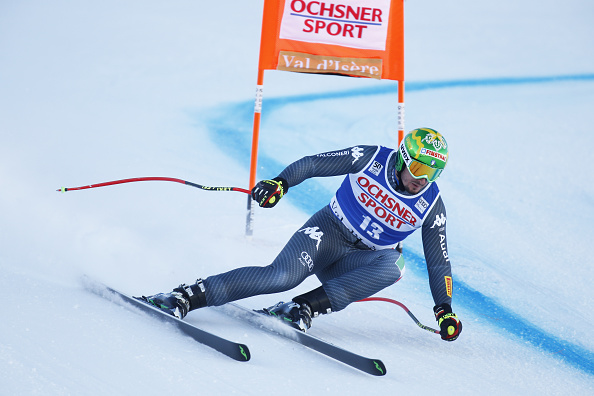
98	91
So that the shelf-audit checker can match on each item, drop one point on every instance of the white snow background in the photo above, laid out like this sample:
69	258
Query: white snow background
99	91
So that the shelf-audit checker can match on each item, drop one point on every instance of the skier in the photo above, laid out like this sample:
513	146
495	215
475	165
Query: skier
354	244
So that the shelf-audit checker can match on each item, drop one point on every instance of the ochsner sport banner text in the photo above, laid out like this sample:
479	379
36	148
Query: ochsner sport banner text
362	38
356	23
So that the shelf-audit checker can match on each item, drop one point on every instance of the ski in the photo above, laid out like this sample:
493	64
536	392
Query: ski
229	348
367	365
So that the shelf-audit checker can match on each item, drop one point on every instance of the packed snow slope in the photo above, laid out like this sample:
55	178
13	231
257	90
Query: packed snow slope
91	92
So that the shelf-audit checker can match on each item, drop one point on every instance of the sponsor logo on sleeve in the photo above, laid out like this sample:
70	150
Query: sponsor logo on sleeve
444	249
357	152
440	221
334	153
449	285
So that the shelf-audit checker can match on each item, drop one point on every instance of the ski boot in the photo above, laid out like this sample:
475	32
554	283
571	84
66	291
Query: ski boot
180	301
299	312
295	315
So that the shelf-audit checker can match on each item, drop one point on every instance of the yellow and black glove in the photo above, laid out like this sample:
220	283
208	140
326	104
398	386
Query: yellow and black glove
268	192
448	322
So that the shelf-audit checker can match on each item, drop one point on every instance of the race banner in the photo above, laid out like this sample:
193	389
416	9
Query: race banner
359	38
355	38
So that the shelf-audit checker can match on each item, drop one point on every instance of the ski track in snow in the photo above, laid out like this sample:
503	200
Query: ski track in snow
232	123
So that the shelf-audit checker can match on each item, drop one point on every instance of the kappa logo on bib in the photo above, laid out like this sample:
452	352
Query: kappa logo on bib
353	23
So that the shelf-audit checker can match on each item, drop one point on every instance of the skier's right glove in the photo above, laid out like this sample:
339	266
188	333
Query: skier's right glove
268	192
448	322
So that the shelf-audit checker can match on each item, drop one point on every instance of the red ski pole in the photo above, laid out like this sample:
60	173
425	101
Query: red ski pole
170	179
422	326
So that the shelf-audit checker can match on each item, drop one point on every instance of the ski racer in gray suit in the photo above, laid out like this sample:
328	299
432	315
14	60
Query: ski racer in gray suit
353	245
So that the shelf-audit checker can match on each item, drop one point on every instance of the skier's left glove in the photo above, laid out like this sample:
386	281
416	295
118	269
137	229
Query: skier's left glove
448	322
268	192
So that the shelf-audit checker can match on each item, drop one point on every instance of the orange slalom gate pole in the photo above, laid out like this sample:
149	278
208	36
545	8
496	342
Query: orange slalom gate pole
249	224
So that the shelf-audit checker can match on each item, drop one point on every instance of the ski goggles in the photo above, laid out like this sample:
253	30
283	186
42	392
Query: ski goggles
419	170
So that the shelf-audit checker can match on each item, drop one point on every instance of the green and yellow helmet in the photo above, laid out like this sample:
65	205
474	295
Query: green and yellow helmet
424	151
